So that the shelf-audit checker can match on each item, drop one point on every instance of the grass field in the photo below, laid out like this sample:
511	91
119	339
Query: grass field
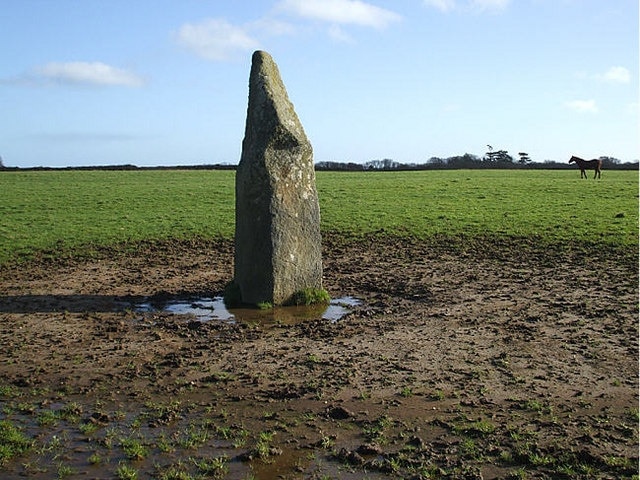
68	211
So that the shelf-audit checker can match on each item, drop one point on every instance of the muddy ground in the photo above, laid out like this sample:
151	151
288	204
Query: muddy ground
484	359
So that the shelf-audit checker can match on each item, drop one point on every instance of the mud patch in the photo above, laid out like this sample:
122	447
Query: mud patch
466	359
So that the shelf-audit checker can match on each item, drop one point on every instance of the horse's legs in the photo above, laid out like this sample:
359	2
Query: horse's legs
583	172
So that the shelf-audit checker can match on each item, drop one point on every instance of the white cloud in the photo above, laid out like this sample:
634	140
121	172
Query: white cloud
616	75
86	73
478	5
339	35
582	106
490	4
443	5
272	26
214	39
73	137
341	12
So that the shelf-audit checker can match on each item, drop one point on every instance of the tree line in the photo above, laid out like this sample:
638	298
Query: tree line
499	159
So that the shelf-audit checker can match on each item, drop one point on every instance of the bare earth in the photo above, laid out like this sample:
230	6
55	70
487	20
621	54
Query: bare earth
487	360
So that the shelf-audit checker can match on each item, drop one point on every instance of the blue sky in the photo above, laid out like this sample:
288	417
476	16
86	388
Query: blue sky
165	82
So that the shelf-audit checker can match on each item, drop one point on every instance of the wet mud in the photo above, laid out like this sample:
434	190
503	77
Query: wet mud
483	359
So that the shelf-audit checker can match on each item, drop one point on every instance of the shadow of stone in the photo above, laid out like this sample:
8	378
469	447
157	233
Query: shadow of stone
68	303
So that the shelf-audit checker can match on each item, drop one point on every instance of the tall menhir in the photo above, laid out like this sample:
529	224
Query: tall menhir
277	243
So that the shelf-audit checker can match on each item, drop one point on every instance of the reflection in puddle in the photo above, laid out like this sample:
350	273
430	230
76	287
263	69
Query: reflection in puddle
208	309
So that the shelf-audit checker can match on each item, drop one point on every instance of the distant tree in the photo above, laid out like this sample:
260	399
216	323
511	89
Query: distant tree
386	164
524	158
1	164
497	156
463	161
609	162
338	166
488	157
436	162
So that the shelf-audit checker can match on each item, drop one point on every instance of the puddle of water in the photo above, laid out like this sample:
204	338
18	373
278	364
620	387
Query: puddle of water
279	466
208	309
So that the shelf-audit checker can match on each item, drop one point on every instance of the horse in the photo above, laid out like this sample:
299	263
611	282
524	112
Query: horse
584	165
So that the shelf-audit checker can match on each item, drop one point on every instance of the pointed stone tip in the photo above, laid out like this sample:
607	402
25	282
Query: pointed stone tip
260	56
261	63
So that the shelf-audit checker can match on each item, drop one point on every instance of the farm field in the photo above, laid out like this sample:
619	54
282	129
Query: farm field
71	210
495	335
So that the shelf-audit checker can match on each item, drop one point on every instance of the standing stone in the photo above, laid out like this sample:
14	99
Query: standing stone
277	244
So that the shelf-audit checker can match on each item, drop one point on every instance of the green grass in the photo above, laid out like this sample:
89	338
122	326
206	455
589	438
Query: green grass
310	296
73	209
70	211
555	205
13	442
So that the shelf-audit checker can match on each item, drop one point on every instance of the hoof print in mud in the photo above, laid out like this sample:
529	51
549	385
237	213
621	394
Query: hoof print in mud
338	413
350	457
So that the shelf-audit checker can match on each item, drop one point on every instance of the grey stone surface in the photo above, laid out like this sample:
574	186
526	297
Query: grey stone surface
277	241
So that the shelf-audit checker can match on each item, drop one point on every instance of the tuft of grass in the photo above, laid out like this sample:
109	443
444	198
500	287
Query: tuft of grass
216	467
364	395
313	359
13	442
437	395
126	472
375	431
632	413
310	296
64	471
193	437
48	418
263	445
478	428
327	442
88	428
265	306
178	471
406	392
534	405
134	449
239	438
9	391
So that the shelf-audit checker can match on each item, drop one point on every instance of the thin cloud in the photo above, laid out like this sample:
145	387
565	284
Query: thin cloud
91	137
339	35
582	106
490	4
473	5
353	12
616	75
215	39
83	73
270	26
442	5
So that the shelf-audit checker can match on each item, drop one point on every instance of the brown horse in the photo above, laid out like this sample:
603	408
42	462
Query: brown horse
584	165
